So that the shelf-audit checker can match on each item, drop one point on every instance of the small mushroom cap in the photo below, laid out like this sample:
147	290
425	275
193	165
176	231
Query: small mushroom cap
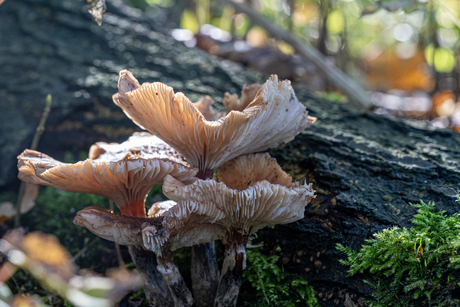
184	224
126	182
246	170
139	145
274	116
204	105
248	93
121	229
259	205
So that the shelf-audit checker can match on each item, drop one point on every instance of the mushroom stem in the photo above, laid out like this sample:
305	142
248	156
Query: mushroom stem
136	208
205	274
155	287
205	271
206	174
232	270
181	294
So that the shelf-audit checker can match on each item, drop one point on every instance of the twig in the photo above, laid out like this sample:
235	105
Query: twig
449	14
84	249
358	96
33	146
121	263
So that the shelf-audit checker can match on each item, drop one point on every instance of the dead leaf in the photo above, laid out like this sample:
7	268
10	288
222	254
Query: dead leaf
29	197
97	9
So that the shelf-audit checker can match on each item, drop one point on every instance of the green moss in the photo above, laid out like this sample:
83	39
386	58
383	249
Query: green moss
413	267
266	284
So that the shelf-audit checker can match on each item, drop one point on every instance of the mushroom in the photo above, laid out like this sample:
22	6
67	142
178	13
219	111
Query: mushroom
274	116
139	145
204	105
253	192
183	224
126	182
248	93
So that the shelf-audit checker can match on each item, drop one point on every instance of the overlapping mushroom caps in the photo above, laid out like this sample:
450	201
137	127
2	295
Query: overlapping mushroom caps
126	182
186	223
253	192
183	224
274	116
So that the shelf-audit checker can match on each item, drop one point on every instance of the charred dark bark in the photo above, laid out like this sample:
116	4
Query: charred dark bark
155	287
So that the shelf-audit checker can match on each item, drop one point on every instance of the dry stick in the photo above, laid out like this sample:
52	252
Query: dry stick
232	270
358	96
33	146
121	263
205	271
84	249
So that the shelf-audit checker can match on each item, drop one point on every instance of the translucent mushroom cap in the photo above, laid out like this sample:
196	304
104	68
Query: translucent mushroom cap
126	182
274	116
184	224
254	201
139	145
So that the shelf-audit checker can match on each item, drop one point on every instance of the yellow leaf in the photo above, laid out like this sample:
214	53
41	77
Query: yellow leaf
188	21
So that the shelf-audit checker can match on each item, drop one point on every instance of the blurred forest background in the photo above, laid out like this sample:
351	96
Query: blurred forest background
406	52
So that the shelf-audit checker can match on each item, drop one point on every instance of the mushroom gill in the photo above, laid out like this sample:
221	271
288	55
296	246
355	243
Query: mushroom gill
126	182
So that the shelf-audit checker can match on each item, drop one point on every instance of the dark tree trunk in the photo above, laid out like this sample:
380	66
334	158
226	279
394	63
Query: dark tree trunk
366	168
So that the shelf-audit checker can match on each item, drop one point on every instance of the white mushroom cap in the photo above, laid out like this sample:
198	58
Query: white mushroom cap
121	229
139	145
126	182
259	205
185	224
274	116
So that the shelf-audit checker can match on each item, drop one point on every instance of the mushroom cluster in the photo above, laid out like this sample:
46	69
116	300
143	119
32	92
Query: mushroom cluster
190	143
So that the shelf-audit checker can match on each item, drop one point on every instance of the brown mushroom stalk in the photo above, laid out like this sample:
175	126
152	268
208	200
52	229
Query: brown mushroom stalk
232	270
253	192
181	294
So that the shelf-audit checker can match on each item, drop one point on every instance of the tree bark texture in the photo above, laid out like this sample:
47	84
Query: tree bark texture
366	168
180	293
205	274
232	271
155	287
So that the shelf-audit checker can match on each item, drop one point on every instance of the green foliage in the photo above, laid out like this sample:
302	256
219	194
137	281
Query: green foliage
412	267
266	284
